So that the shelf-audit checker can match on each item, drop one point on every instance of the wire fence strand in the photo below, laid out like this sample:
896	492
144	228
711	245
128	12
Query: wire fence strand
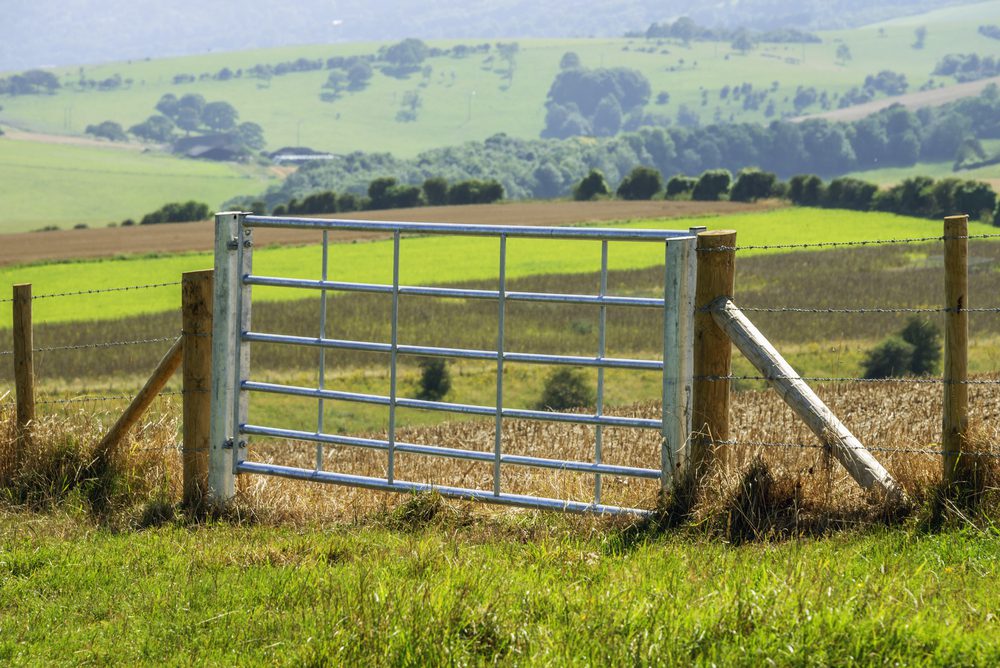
853	379
96	291
874	448
835	244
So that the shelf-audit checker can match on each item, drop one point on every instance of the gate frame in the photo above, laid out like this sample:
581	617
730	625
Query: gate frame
231	331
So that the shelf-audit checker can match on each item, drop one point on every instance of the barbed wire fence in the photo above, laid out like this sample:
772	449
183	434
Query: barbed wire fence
125	395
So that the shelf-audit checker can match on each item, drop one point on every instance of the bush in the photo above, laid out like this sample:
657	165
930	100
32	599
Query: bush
474	191
566	388
680	185
591	186
752	185
640	183
712	185
108	130
435	379
805	190
436	191
890	358
848	193
926	341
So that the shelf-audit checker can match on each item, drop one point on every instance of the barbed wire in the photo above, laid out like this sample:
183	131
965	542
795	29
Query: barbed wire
873	448
835	379
96	291
104	344
832	244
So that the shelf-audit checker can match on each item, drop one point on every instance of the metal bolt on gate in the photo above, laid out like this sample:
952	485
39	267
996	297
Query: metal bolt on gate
233	335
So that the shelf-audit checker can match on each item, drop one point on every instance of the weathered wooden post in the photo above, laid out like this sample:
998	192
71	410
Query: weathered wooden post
956	347
712	350
24	367
196	369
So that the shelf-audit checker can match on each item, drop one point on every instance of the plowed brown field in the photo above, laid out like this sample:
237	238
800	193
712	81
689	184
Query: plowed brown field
179	237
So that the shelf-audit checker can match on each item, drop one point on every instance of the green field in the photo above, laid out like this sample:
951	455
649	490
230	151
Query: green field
434	260
470	590
45	184
469	99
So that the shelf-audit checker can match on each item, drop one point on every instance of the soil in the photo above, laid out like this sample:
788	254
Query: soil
179	237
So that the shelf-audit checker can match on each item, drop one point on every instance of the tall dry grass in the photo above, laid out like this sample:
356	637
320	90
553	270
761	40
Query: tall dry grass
762	490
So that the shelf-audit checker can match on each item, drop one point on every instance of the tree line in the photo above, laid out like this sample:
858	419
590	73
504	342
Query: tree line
547	168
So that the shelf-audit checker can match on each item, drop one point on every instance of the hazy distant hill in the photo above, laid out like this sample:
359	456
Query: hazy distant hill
64	32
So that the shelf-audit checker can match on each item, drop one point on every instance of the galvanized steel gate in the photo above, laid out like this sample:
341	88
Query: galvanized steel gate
232	384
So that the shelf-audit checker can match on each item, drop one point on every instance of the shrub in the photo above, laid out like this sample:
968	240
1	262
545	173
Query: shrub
640	183
848	193
435	379
566	388
752	185
436	191
176	212
680	185
108	130
890	358
926	341
474	191
712	185
805	190
591	186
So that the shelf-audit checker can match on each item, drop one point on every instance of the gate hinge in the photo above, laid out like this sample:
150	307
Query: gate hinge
228	445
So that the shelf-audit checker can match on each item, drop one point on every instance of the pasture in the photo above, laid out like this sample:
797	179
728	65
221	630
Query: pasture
45	184
465	99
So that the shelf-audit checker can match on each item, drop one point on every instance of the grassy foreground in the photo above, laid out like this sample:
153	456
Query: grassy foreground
434	260
415	589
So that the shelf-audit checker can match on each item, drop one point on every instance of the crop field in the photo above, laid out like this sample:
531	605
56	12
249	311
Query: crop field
43	184
435	259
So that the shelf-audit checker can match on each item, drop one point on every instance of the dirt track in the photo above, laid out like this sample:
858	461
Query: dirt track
172	238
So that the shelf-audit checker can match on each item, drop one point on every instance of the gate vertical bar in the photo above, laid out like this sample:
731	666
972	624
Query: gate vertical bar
501	312
224	333
678	356
241	398
601	350
390	476
322	350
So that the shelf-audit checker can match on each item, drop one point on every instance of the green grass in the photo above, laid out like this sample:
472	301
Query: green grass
291	111
64	185
523	589
430	260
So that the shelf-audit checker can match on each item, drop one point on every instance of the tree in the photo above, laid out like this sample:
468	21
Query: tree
920	35
188	119
843	53
167	105
378	192
742	41
219	116
155	128
108	130
251	135
436	191
435	379
712	185
926	341
607	117
680	185
593	185
752	185
565	389
569	60
848	193
640	183
359	74
805	190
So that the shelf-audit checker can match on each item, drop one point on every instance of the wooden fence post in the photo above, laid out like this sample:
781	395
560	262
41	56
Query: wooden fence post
24	367
712	350
956	347
196	291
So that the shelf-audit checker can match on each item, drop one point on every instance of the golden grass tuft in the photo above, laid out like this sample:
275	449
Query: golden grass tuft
765	491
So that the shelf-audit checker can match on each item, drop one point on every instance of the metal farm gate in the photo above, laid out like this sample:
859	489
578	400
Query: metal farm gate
233	383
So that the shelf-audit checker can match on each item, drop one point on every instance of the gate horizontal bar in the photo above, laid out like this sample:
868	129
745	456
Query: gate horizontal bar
454	492
465	229
458	353
467	409
453	453
453	293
